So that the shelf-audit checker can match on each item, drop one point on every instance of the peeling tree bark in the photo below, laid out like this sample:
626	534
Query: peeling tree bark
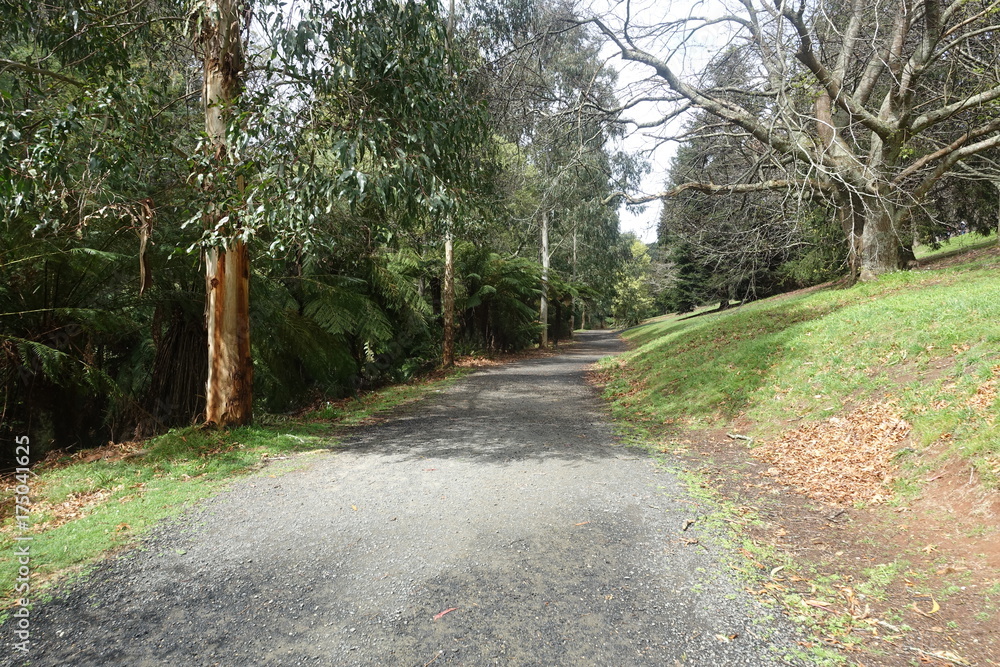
229	390
448	301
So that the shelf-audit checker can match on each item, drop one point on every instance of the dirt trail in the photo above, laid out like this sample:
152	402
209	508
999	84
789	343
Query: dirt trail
503	499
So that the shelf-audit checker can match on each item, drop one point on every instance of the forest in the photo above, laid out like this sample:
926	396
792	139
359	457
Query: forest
223	208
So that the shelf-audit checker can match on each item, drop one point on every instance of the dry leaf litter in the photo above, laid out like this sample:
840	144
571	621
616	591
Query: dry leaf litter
841	460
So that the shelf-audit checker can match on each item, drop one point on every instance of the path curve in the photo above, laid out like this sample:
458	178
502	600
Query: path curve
503	499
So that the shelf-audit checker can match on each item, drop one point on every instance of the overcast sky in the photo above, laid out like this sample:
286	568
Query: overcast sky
642	221
686	61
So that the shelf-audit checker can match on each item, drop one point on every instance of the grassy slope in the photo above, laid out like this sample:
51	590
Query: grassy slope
925	339
83	508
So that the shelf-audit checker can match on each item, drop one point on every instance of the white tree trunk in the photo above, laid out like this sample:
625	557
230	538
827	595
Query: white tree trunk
572	300
229	389
448	300
543	309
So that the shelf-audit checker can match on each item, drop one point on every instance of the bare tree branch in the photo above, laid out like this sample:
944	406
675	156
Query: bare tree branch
24	67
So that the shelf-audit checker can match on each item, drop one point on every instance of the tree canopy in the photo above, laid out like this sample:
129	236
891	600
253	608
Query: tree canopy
347	138
379	181
864	107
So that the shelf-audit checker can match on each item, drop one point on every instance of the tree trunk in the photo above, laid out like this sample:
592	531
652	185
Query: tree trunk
881	251
448	301
572	299
851	211
228	393
543	308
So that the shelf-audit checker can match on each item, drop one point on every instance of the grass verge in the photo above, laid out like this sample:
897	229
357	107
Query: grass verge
88	504
927	341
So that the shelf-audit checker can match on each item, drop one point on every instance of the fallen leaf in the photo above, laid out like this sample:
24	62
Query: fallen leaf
935	607
354	507
446	611
947	656
582	523
816	603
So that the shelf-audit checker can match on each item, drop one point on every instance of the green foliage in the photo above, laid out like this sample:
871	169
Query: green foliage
633	301
496	299
360	103
819	257
360	132
547	88
687	287
738	247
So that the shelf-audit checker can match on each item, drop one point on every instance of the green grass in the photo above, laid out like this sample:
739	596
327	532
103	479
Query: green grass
923	339
355	412
880	577
120	500
955	245
926	340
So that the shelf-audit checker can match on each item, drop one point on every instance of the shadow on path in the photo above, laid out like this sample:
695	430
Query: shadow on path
534	409
494	524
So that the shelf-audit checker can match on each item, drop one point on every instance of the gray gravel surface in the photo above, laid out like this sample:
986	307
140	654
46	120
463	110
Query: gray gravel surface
503	498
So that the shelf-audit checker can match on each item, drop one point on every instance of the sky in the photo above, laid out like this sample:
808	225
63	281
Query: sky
643	221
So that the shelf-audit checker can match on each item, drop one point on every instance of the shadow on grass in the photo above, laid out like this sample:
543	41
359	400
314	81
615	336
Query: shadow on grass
928	256
711	369
198	442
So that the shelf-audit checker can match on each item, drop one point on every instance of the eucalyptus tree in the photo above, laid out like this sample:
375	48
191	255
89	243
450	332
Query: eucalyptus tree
229	388
339	113
341	102
865	106
549	87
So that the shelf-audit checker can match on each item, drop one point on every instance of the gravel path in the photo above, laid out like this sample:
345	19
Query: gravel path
503	499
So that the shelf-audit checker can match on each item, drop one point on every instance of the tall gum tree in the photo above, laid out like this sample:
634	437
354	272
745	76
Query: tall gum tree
549	85
866	105
228	393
